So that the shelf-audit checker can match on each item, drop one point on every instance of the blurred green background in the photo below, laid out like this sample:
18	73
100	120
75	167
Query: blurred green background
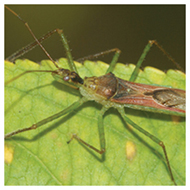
94	28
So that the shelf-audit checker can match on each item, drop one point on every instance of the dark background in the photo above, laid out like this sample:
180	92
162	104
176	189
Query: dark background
95	28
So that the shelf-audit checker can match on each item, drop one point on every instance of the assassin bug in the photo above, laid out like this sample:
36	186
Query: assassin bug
111	91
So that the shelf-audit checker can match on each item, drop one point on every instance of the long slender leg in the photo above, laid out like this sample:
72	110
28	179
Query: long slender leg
51	118
63	39
65	44
156	140
29	47
139	63
68	51
167	54
29	29
101	134
143	55
113	62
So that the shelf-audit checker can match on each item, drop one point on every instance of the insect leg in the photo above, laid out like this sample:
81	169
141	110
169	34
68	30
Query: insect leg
139	63
29	29
51	118
101	134
166	53
29	47
156	140
63	39
113	62
68	51
143	55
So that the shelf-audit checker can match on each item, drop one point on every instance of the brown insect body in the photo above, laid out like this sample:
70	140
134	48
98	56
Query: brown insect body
121	93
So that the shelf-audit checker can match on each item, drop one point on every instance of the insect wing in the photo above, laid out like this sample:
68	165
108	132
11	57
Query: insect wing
150	96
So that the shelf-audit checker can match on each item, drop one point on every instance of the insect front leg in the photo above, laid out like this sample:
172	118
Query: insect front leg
113	62
101	134
29	47
63	39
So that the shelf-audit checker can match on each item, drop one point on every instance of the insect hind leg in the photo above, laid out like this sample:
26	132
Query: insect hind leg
152	137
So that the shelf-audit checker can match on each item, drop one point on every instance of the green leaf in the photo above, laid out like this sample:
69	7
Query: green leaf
43	157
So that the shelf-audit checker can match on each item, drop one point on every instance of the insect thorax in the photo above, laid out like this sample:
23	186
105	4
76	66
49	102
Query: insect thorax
100	89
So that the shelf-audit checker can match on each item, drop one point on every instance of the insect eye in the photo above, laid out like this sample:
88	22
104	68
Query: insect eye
66	78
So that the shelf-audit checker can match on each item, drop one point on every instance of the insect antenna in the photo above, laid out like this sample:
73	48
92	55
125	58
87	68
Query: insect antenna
28	27
63	39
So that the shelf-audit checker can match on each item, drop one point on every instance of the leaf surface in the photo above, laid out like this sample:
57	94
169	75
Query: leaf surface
43	157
